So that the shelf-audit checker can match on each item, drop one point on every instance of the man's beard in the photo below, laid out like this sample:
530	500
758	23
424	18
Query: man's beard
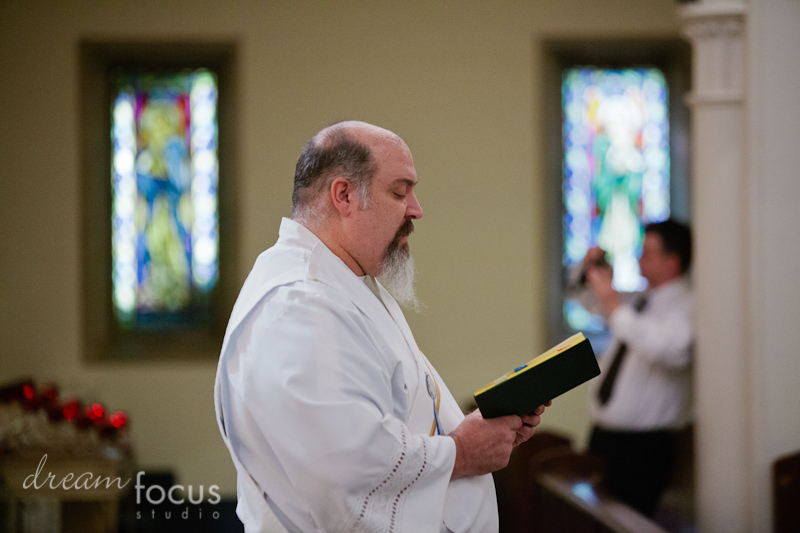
398	271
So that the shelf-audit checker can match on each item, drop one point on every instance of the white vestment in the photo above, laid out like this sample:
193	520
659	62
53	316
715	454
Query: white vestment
322	401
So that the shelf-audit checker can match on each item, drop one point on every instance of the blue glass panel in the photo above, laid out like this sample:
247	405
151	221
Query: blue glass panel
616	170
164	207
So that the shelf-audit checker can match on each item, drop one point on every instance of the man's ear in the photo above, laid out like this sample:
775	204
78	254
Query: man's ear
674	264
343	196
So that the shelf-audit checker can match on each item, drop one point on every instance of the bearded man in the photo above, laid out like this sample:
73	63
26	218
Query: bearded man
334	418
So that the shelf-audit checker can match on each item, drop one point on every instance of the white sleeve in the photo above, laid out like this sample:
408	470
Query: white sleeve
326	397
664	339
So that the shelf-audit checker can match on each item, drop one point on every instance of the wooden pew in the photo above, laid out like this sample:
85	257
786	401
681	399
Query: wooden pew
548	487
569	488
516	482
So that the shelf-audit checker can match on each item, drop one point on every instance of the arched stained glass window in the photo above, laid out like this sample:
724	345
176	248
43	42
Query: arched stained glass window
164	199
616	170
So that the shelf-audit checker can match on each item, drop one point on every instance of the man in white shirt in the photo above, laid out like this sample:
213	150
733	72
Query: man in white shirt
334	418
644	392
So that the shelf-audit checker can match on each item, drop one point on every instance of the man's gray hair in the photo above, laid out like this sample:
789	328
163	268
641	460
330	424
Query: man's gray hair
331	153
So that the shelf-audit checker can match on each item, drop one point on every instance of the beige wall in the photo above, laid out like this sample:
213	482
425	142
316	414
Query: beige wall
460	81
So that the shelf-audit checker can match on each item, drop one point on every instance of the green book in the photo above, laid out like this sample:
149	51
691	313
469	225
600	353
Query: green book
559	369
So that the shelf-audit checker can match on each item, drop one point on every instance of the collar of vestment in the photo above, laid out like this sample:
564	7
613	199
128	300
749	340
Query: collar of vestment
326	267
323	266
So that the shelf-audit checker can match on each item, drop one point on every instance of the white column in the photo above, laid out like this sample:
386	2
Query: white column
723	392
773	124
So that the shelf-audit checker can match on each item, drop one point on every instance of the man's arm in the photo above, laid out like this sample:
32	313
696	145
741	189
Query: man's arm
664	339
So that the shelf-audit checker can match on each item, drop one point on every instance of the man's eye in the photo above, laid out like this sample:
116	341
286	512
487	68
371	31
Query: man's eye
401	196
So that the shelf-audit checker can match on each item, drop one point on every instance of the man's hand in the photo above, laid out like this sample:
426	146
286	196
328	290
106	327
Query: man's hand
483	446
529	422
595	256
599	276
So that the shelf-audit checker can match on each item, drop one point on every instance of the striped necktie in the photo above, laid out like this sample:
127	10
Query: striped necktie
608	383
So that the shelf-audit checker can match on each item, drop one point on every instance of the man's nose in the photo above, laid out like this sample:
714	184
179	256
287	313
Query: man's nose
413	208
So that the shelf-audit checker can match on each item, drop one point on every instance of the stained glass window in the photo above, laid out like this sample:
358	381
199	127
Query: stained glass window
616	170
164	199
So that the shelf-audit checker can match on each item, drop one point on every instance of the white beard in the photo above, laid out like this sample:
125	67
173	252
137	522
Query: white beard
398	277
